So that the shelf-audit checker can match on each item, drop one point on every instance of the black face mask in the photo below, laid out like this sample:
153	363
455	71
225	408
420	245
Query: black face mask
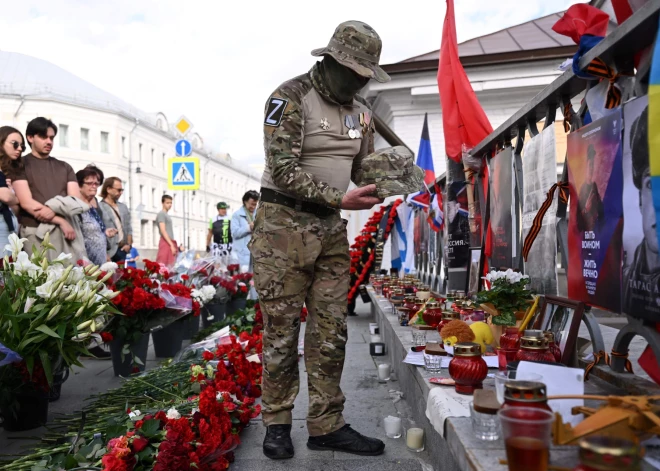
343	82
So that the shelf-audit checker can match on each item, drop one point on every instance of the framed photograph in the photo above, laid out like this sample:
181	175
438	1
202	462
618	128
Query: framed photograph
474	271
562	317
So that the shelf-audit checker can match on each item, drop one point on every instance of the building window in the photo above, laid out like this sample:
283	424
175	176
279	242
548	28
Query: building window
163	162
64	135
153	196
153	157
84	139
140	152
105	142
123	146
156	235
143	233
142	195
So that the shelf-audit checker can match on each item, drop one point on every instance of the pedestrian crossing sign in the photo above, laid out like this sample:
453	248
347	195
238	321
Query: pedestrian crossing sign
183	173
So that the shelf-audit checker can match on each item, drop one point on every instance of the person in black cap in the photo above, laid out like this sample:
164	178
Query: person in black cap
220	232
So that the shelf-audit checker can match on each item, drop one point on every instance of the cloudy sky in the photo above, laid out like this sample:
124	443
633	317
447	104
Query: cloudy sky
217	61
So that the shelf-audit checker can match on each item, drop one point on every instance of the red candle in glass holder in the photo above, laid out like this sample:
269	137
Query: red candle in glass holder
432	314
552	345
468	369
603	453
504	357
534	349
510	339
447	317
525	394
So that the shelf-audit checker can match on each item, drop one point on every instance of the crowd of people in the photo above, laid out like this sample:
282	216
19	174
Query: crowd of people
41	195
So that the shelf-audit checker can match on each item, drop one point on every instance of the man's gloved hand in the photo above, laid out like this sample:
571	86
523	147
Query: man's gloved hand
208	249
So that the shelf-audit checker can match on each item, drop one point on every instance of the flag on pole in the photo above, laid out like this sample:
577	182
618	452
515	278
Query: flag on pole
425	156
463	119
425	162
399	236
436	216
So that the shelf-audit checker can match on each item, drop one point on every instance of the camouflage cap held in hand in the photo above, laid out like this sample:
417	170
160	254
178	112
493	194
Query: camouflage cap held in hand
356	45
393	172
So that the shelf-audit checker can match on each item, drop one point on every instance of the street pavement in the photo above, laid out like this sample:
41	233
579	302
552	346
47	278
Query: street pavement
368	402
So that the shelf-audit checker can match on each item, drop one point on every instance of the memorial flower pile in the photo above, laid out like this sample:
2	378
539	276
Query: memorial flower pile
185	416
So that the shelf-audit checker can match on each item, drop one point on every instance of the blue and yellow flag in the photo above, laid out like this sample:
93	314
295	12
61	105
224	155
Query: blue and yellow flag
654	131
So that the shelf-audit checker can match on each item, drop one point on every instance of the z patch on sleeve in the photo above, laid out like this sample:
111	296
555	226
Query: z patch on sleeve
275	111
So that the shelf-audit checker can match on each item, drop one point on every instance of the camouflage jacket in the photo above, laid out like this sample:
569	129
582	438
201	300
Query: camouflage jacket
310	154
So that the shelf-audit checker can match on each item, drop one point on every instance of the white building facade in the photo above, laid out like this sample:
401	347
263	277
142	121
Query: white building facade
97	128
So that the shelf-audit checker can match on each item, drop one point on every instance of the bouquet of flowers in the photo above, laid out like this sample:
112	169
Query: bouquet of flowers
191	419
225	289
48	313
242	281
138	300
508	294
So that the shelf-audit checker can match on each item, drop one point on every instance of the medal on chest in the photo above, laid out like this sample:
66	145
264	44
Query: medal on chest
351	124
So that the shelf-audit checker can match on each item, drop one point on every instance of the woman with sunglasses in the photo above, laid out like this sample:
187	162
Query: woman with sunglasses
12	146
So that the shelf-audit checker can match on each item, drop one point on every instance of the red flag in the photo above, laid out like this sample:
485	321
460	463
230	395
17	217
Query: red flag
582	19
463	119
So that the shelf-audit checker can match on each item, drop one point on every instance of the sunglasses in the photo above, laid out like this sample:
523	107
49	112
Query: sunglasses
16	145
94	183
120	190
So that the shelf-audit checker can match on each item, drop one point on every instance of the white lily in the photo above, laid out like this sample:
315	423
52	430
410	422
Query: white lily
15	245
62	257
29	302
46	290
24	265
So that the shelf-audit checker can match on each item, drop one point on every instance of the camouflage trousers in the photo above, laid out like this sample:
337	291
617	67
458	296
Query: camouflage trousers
301	259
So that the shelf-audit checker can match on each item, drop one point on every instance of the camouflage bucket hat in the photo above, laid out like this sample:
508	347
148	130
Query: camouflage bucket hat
393	172
357	46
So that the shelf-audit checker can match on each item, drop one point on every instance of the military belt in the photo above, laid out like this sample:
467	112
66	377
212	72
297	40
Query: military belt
275	197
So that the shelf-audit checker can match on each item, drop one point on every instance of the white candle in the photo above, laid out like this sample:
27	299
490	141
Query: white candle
415	438
384	372
375	339
393	427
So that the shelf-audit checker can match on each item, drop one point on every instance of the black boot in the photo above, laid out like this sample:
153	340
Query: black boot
348	440
277	444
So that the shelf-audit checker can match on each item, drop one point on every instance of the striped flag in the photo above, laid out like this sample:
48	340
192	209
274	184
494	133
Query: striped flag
425	162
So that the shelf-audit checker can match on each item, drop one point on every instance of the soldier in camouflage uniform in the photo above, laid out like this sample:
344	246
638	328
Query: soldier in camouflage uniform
316	132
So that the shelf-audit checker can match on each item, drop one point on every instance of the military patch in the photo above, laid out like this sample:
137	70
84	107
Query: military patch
275	111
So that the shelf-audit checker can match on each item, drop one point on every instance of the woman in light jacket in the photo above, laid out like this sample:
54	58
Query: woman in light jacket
242	223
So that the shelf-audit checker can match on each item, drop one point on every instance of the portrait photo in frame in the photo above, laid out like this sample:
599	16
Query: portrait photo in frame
562	317
474	272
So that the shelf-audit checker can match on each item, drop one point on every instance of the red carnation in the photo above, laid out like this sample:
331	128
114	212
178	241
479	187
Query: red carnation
106	337
140	444
139	424
208	356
